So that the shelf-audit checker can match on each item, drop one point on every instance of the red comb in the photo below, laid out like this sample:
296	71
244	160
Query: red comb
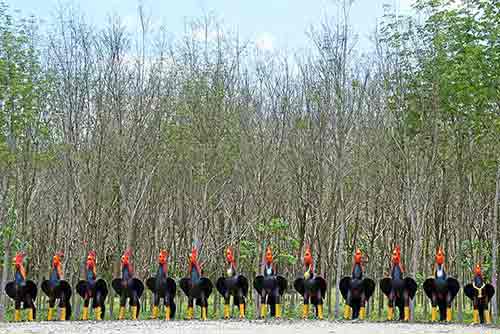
128	252
21	254
19	257
477	270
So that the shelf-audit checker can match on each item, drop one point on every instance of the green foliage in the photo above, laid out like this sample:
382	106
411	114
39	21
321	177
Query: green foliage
8	231
286	259
274	226
474	251
23	88
276	229
248	250
450	68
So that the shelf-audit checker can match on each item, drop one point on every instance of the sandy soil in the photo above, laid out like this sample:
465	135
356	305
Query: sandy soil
238	327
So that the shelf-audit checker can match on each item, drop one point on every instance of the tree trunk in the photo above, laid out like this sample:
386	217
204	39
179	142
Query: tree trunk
494	248
5	277
340	248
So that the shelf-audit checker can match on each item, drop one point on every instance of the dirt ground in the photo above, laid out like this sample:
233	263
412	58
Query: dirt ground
238	327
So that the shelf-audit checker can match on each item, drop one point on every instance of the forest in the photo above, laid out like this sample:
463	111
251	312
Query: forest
113	139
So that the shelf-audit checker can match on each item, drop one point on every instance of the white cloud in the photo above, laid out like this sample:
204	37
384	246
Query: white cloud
264	41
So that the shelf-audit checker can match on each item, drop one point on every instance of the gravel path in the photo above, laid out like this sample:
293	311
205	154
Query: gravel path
238	327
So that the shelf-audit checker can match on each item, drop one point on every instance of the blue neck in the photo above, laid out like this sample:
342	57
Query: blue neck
90	275
161	272
195	275
19	278
396	272
54	276
357	272
126	275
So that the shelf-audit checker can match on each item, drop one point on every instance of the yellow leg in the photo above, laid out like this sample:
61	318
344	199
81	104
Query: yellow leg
156	311
190	313
63	314
133	310
98	313
203	313
121	315
227	310
390	313
320	312
30	314
278	311
167	312
17	315
362	313
85	313
487	317
242	311
434	313
475	316
407	313
347	312
50	313
305	311
448	314
263	311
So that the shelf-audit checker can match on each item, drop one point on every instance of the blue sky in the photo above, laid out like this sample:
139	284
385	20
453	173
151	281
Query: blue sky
270	24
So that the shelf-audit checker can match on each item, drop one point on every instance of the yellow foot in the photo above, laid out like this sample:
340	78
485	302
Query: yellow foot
167	312
50	313
98	313
227	310
63	314
390	313
362	313
242	311
263	311
347	312
17	315
407	313
434	313
448	314
133	310
305	311
155	312
320	312
30	314
475	316
278	311
190	313
121	315
203	313
85	313
487	317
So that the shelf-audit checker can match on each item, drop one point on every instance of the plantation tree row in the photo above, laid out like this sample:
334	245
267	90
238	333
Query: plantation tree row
113	138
